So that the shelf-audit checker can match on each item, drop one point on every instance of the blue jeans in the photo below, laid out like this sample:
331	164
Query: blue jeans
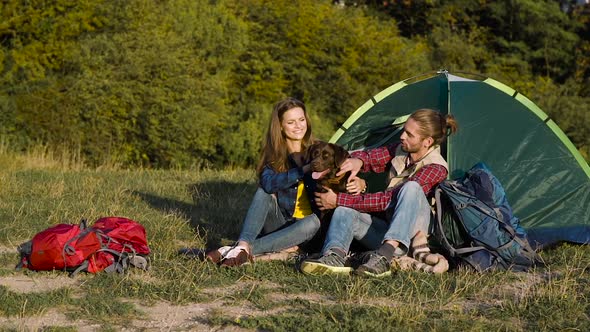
264	216
411	214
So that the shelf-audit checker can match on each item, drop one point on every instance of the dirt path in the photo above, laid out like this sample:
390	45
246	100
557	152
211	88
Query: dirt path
161	316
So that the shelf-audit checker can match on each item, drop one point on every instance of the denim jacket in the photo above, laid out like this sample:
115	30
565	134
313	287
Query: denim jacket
284	186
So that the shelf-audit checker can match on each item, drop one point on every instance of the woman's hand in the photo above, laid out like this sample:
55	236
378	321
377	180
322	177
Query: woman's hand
356	186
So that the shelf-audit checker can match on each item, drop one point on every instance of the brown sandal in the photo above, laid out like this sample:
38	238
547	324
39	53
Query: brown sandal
216	256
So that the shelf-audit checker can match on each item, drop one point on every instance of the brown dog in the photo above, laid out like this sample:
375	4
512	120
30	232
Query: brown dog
325	160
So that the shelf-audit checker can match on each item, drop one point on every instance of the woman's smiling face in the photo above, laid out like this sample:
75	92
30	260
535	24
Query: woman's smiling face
294	124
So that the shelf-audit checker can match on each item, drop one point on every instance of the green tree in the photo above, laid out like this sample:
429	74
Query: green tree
536	31
36	38
181	82
568	109
332	57
149	88
582	55
154	90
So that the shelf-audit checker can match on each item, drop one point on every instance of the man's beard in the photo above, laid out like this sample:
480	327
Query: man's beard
409	149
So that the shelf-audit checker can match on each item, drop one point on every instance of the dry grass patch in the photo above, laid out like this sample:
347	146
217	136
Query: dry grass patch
38	283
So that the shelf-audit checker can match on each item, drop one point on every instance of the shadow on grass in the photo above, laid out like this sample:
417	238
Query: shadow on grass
217	210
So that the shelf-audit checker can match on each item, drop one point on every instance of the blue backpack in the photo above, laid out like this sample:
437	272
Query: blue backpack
475	225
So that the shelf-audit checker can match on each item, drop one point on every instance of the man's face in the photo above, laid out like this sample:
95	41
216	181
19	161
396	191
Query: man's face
411	141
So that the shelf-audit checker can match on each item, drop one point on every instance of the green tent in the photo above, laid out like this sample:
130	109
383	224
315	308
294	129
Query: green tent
546	179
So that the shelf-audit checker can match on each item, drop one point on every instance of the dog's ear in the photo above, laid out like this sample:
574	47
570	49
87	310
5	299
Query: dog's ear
309	153
340	154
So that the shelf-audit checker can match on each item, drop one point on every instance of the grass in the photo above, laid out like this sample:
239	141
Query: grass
205	208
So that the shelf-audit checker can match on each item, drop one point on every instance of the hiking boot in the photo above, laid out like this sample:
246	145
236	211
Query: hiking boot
236	256
330	263
215	256
376	265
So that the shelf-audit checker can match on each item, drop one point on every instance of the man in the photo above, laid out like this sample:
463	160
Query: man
385	221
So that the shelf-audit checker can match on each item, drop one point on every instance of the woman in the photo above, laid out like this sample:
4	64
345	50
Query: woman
281	210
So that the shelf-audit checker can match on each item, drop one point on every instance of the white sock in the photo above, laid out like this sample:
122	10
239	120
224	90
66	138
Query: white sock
223	250
234	252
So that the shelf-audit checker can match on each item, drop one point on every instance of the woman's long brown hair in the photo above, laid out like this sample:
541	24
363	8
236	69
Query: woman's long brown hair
274	152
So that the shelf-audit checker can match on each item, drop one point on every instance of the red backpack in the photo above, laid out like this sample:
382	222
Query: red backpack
110	244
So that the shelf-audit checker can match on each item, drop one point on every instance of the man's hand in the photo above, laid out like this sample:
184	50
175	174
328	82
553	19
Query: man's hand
353	165
327	200
355	185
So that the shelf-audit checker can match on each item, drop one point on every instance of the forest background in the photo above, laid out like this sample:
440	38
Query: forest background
191	83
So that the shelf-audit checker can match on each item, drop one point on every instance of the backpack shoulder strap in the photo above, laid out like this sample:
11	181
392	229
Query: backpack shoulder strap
24	249
82	267
439	229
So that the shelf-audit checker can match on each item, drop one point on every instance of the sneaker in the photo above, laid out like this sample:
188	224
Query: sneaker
215	256
330	263
357	259
236	256
376	265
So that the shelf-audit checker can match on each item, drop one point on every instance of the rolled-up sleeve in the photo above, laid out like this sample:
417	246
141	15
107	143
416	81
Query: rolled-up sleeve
427	177
370	202
375	160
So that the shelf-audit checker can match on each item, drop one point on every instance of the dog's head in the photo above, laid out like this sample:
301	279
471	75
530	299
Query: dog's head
324	156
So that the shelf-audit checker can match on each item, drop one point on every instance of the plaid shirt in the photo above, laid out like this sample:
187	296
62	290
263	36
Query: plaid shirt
284	186
376	160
